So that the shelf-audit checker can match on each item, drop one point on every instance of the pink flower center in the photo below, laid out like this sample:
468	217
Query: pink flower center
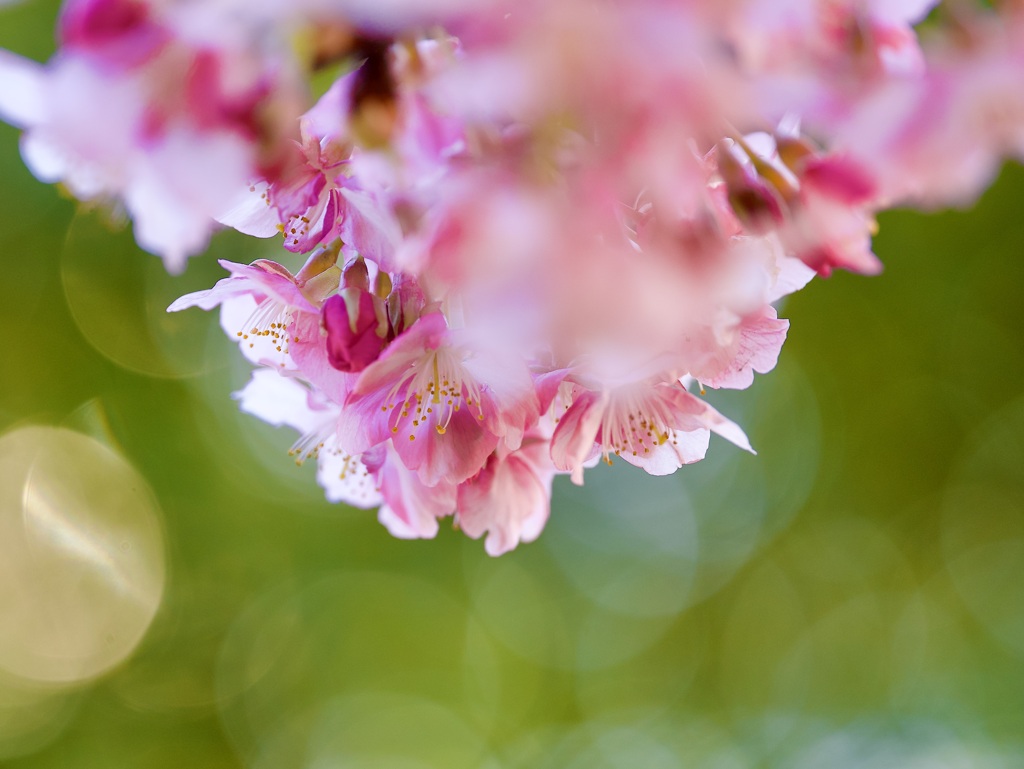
634	425
432	391
270	320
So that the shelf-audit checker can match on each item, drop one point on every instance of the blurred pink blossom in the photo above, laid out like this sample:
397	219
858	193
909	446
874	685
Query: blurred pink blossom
531	227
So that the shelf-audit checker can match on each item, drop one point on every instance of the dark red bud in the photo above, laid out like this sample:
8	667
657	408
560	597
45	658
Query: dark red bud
357	329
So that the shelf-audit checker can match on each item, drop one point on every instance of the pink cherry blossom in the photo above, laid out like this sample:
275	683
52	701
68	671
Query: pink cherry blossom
754	346
259	304
287	401
344	165
510	498
528	227
446	405
410	508
130	110
939	139
656	426
123	33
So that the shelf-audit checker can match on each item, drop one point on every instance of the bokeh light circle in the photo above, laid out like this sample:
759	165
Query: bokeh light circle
32	715
118	296
627	545
81	556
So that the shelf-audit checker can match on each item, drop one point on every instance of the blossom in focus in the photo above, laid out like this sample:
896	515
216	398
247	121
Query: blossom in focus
261	302
657	426
446	405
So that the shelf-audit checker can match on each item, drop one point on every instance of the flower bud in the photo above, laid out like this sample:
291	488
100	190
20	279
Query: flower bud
356	322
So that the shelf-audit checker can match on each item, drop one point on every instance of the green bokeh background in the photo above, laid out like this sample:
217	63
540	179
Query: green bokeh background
853	596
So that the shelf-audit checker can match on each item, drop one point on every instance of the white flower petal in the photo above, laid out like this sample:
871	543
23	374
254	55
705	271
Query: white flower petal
21	97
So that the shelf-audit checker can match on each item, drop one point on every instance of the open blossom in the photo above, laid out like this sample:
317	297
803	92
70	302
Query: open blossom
753	345
527	228
287	401
509	500
260	304
657	426
820	205
446	406
304	203
348	145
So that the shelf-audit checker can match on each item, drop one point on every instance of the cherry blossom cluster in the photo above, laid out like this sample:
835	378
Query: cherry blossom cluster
532	233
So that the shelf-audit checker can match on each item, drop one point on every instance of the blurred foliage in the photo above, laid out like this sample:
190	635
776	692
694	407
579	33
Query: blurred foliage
851	597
